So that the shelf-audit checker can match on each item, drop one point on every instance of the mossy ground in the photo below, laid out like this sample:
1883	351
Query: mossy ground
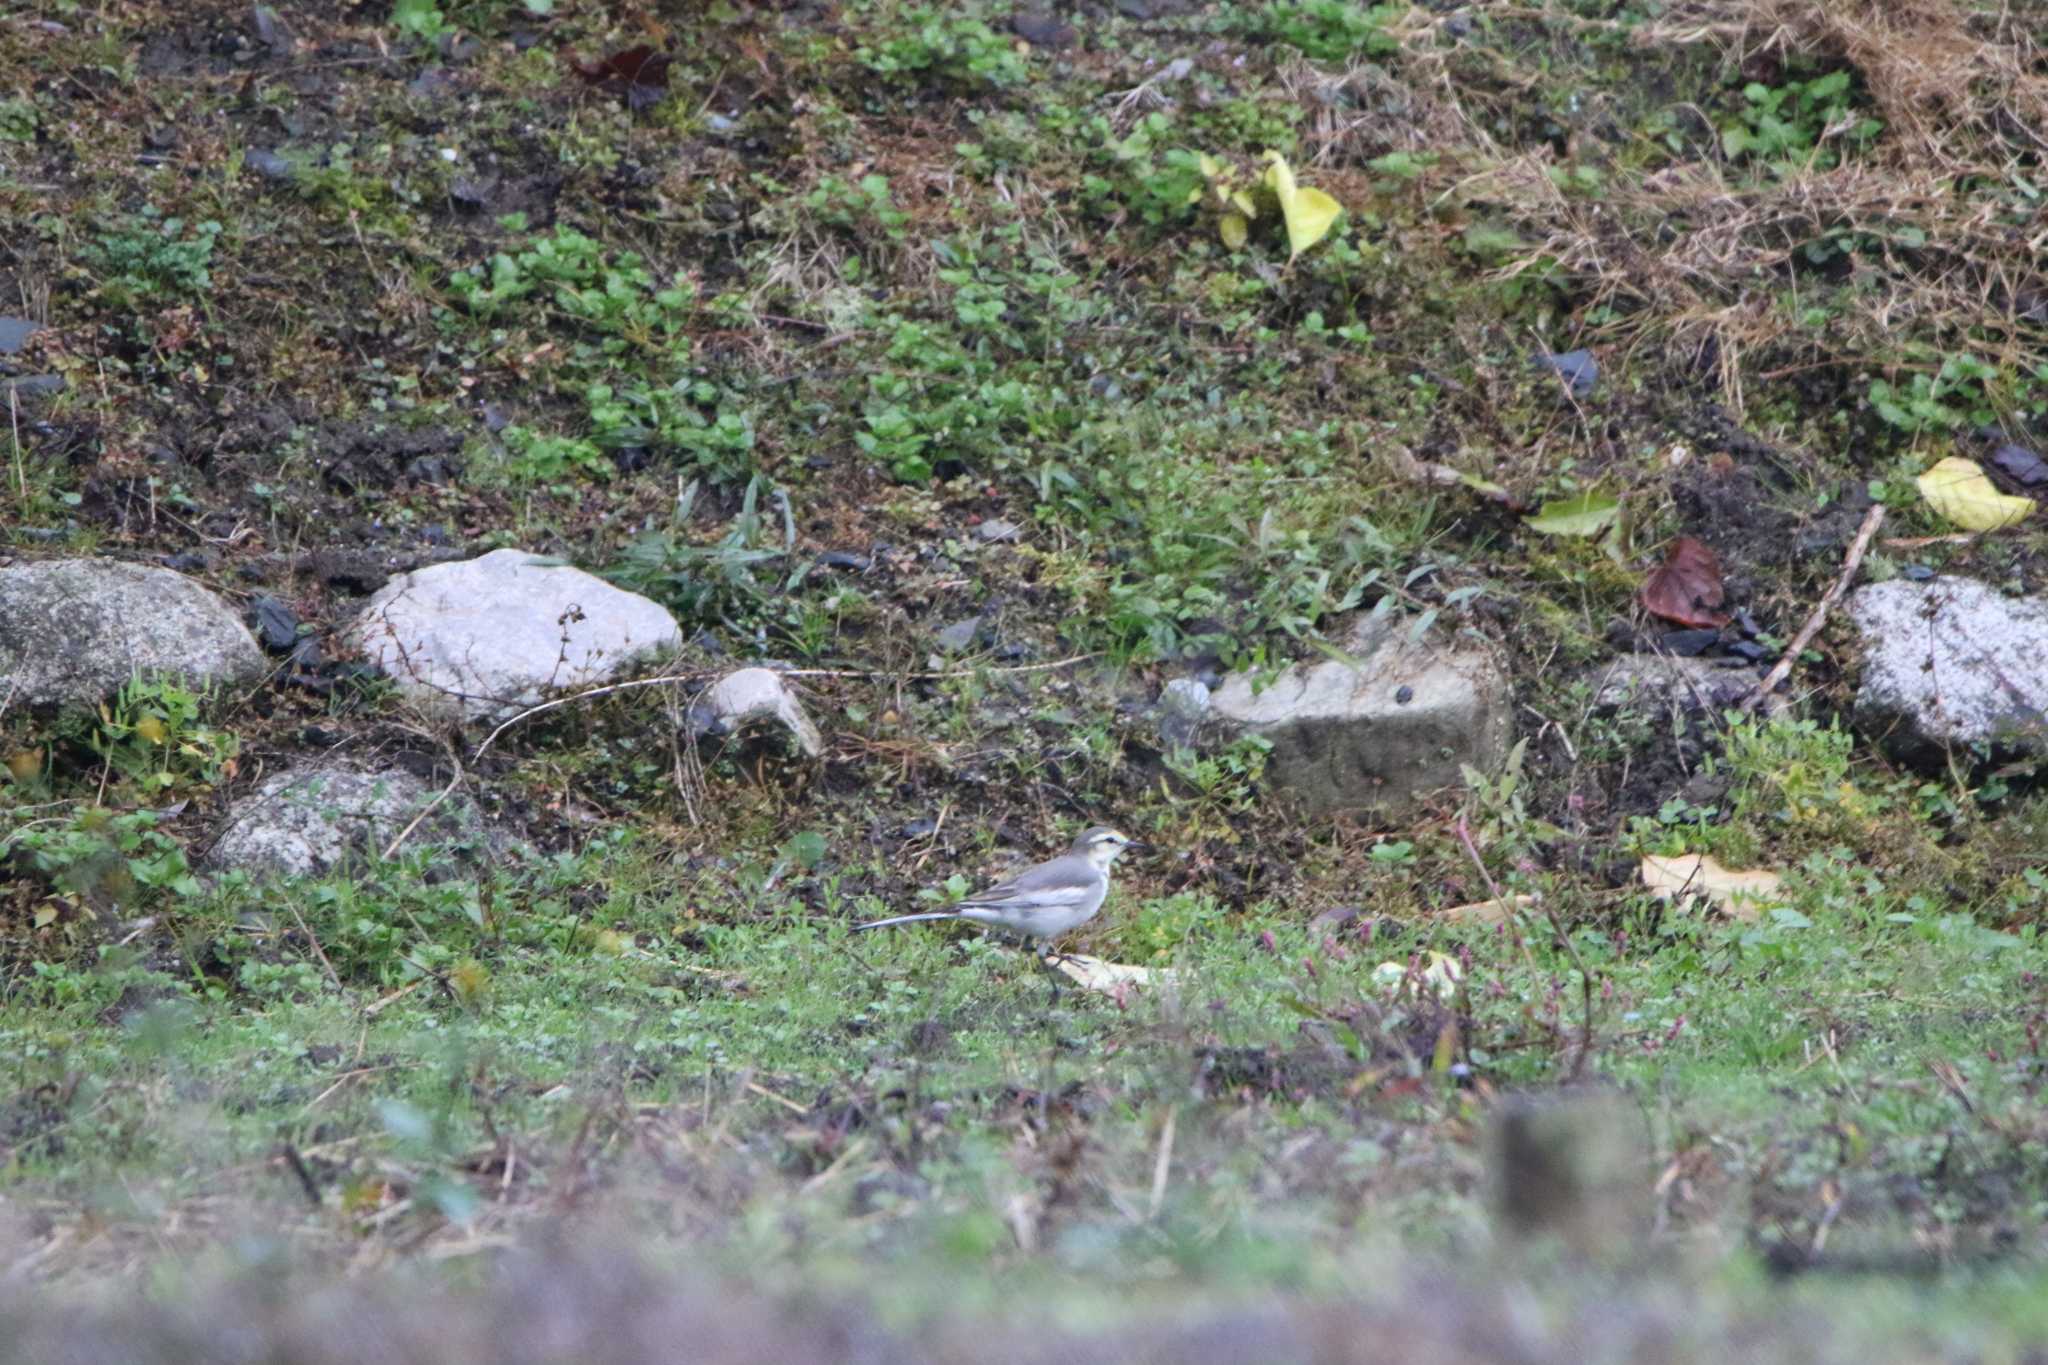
345	287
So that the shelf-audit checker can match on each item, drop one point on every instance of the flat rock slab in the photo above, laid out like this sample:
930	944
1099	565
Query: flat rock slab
485	638
1377	732
73	631
1949	663
310	820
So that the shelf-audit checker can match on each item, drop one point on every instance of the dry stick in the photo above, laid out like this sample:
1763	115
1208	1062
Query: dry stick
318	951
1852	561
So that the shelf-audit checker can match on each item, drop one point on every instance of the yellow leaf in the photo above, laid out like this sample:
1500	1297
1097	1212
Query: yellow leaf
25	764
152	729
1496	911
1232	229
1741	895
46	915
1211	167
1959	490
1308	213
1242	201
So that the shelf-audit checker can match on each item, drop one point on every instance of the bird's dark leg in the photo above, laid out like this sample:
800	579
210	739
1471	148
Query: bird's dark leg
1046	961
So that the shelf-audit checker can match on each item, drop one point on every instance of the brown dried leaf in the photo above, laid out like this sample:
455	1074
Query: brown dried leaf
640	73
1686	587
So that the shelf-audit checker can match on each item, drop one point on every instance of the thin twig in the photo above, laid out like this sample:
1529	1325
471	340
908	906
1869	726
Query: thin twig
318	951
696	675
1162	1164
1852	561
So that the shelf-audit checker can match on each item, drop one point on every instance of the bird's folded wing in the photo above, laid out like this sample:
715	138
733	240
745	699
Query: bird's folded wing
1040	886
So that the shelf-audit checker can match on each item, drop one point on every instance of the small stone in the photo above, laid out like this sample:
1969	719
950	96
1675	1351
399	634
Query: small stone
32	386
1688	643
1403	695
959	637
843	561
1042	30
1579	370
995	530
1184	703
270	30
1917	573
267	164
1659	687
276	625
747	697
15	332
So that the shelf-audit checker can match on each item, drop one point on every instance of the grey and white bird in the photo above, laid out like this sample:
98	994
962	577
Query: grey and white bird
1044	901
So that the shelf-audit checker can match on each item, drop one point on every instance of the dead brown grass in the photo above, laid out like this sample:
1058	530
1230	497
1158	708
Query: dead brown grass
1707	257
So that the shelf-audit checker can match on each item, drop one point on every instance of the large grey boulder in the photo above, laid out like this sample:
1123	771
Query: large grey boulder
1394	721
312	819
1951	662
72	631
484	638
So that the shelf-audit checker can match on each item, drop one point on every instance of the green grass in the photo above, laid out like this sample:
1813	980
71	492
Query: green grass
767	350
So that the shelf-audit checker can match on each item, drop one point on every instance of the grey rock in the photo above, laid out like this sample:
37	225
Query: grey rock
15	332
310	820
748	697
1661	685
1951	662
481	639
1343	742
72	631
995	531
32	386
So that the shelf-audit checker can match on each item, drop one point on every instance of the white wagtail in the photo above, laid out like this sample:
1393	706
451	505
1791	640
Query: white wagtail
1044	901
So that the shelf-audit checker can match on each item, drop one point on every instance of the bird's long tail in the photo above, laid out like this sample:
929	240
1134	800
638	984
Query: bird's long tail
908	919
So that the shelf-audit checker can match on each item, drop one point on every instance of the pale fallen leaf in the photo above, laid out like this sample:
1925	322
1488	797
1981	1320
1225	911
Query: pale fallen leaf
1439	971
1232	229
1740	895
1961	492
1495	911
1094	974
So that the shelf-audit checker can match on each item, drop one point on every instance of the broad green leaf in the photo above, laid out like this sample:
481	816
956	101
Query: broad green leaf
1590	513
1308	213
1959	490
